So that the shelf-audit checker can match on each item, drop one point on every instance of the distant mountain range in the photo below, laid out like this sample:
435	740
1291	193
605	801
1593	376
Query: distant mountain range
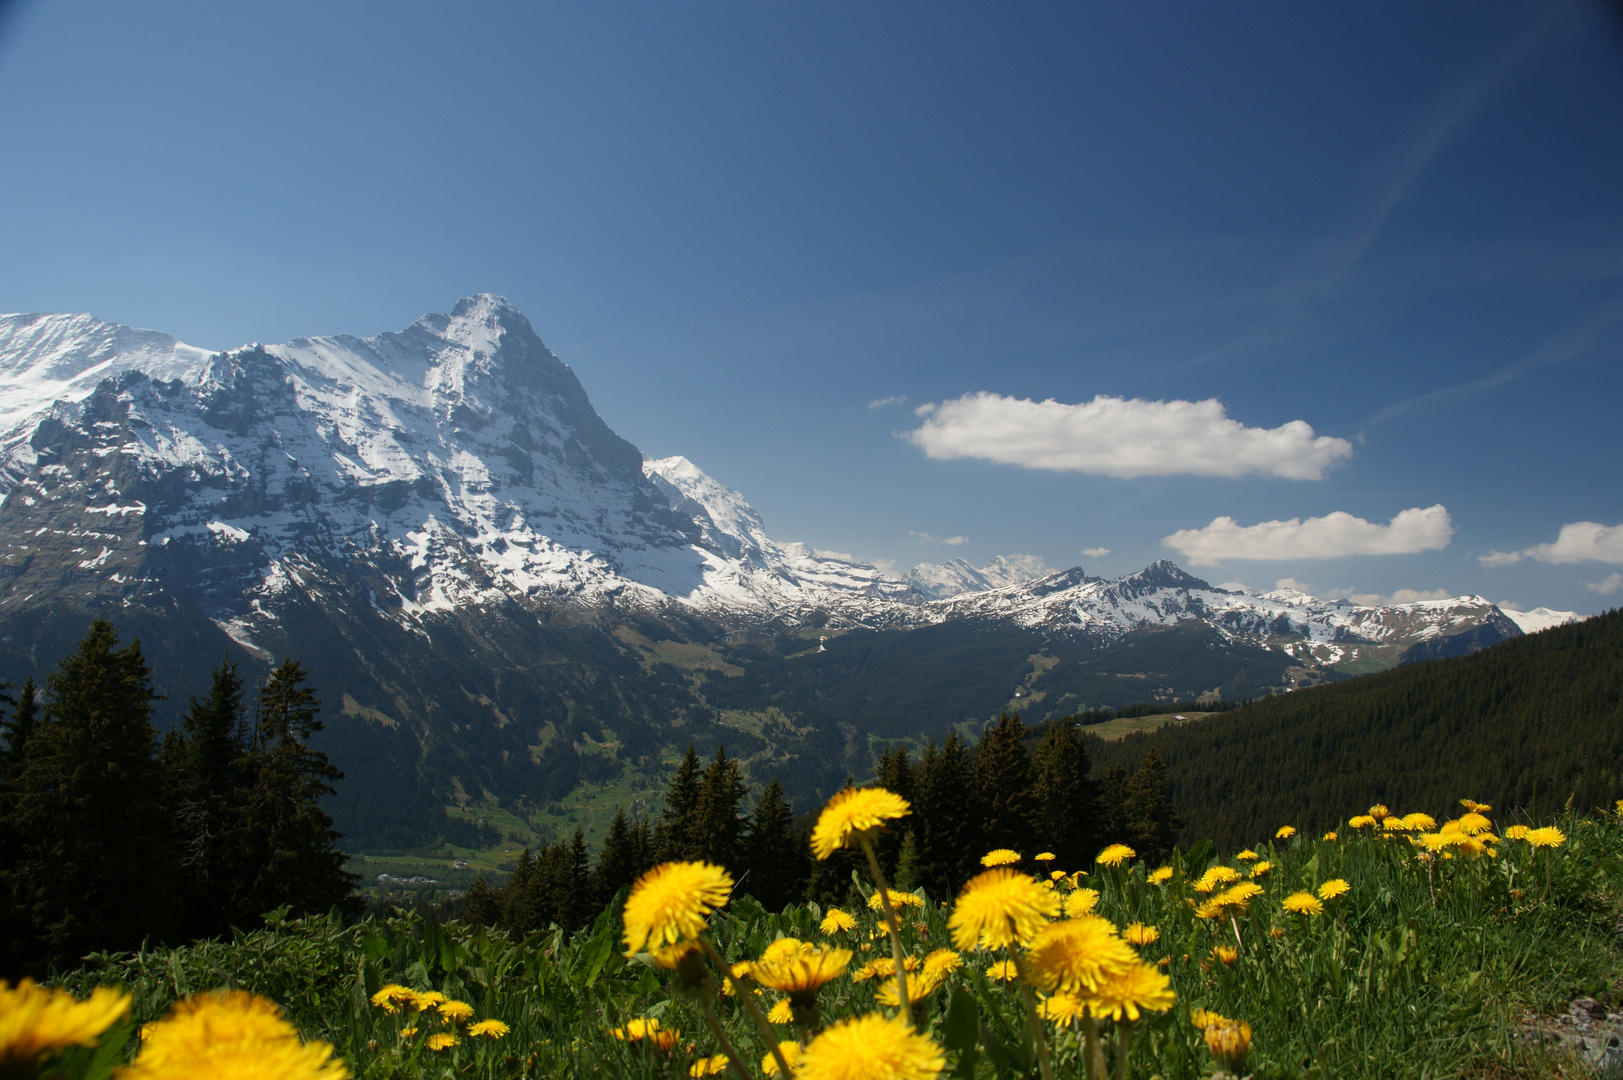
467	557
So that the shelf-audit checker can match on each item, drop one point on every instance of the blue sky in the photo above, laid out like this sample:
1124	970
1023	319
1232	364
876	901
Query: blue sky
767	235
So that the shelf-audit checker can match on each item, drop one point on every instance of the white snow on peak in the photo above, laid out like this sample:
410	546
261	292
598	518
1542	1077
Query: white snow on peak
1540	618
938	581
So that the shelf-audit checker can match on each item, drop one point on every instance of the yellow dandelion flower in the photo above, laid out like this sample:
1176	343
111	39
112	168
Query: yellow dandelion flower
1228	954
1475	807
1205	1018
230	1033
1076	955
1620	808
836	921
1216	876
800	974
1285	832
1057	875
1115	855
791	1054
1230	1043
872	1047
489	1029
456	1011
636	1029
391	996
441	1040
35	1021
1334	889
781	1013
709	1066
672	957
1081	902
920	985
1276	932
853	814
1303	903
1001	857
429	999
1469	845
1246	856
1434	841
1420	822
1209	909
1549	836
1140	934
1379	812
942	962
897	900
998	908
1261	869
1394	825
1045	856
1362	821
1062	1008
1161	876
670	902
1517	832
1124	992
408	1033
1330	837
1474	823
1004	971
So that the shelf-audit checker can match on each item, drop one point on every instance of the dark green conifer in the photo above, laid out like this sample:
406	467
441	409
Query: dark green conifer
286	836
1147	814
1003	786
946	831
204	758
776	858
896	773
1113	806
717	828
94	854
625	856
676	831
1066	802
19	727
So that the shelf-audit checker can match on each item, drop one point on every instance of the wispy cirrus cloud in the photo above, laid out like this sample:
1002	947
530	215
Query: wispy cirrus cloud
1329	537
1578	541
1123	437
1096	552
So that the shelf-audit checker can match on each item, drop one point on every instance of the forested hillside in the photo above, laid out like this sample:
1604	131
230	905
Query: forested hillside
1524	724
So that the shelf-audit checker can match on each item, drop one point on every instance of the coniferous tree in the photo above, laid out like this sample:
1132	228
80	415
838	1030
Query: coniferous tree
19	727
1003	786
285	834
94	855
945	829
676	829
776	857
896	773
1147	815
204	758
717	827
1066	802
1112	806
625	856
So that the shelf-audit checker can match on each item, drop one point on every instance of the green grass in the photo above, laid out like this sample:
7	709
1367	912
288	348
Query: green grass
1422	970
1111	730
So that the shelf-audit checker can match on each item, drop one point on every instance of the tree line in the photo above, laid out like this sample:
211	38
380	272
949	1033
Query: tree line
1524	726
1014	787
110	837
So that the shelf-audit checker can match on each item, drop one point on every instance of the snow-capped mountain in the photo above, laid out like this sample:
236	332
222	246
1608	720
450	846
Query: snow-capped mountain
458	464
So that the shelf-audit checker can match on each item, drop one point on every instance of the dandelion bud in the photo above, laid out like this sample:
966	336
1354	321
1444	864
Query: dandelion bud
1229	1043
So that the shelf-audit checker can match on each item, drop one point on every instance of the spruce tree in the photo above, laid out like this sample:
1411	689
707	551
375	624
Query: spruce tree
94	857
717	827
19	727
204	758
1147	814
675	834
945	828
1066	802
625	856
896	773
1003	786
1113	806
286	836
776	858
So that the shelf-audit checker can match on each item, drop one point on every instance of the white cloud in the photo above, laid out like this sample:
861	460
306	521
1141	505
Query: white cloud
894	399
1607	585
1328	537
1096	552
1365	599
953	541
843	556
1578	541
1125	437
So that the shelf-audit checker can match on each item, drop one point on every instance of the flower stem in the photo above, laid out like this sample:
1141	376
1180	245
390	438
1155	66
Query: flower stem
895	931
748	999
721	1037
1036	1022
1093	1054
1124	1042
